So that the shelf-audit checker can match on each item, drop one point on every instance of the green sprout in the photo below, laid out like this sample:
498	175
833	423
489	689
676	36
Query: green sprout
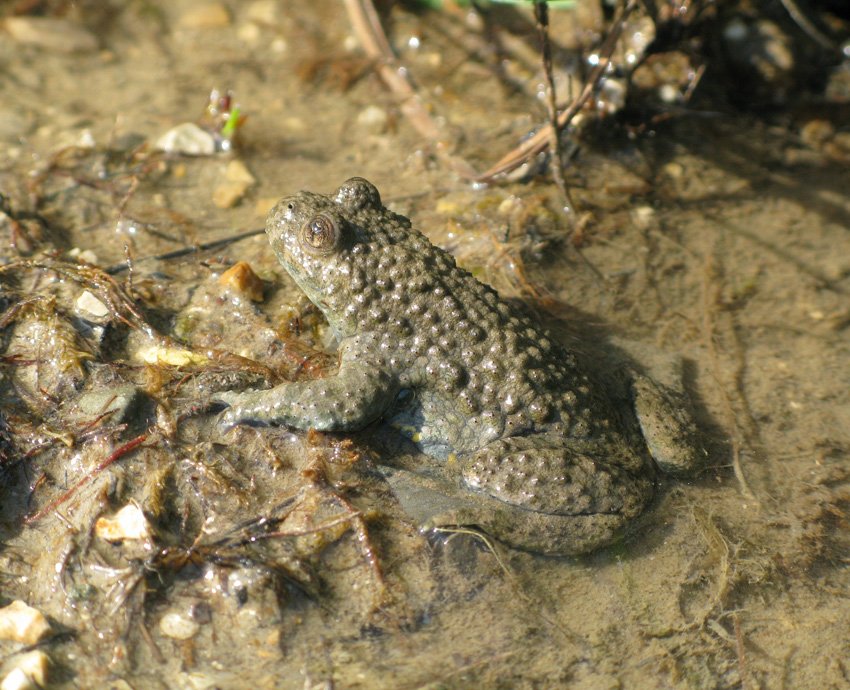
231	125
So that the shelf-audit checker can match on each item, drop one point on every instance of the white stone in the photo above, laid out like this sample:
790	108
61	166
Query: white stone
208	16
178	626
643	217
86	140
187	138
668	93
128	523
86	255
90	304
172	356
30	672
22	623
263	12
373	116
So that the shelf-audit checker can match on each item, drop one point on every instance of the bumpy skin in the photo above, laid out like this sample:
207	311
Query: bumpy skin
463	375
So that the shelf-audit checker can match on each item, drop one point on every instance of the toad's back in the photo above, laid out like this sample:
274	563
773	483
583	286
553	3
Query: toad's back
457	370
481	370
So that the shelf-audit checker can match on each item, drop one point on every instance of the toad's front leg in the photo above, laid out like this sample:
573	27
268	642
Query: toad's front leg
360	393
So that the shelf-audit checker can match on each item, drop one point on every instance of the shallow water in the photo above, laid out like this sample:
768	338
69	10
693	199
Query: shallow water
707	238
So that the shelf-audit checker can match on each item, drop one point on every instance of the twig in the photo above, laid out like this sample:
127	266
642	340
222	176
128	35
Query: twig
148	638
541	14
348	517
739	646
115	455
177	253
806	25
367	25
708	335
128	257
540	141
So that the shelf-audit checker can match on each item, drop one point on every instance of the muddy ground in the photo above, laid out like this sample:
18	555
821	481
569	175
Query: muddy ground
278	559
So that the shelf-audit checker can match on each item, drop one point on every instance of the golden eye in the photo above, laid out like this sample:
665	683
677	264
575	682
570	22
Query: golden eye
319	234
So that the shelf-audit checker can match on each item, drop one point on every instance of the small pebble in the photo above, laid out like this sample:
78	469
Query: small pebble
242	277
228	194
837	88
667	93
86	140
264	12
264	205
22	623
507	206
90	304
210	16
128	523
842	141
237	172
178	626
59	35
188	139
816	132
673	170
807	157
293	124
248	32
172	356
643	217
612	95
84	255
30	672
447	208
373	117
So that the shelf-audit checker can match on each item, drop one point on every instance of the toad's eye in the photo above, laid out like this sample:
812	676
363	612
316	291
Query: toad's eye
319	234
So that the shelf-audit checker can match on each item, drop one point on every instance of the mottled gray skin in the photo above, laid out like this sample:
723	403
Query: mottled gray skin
467	378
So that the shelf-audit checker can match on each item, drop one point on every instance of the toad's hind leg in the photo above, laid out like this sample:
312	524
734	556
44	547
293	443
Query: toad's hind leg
545	475
667	425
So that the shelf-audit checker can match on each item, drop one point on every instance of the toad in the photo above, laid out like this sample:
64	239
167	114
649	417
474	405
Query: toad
532	447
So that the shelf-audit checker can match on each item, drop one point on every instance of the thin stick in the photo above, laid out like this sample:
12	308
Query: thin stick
540	141
806	25
708	335
368	28
541	14
739	645
315	530
177	253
